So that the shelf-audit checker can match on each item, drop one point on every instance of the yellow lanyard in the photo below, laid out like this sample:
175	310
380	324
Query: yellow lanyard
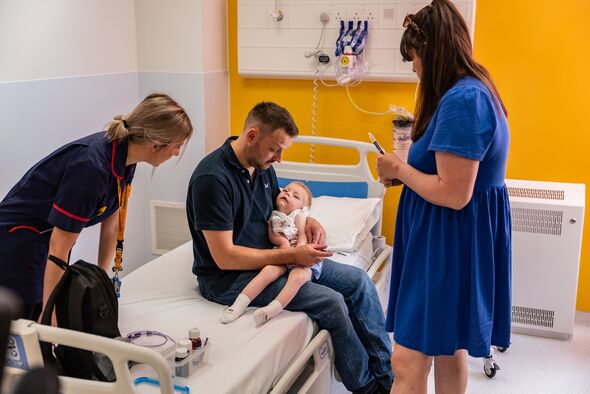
124	193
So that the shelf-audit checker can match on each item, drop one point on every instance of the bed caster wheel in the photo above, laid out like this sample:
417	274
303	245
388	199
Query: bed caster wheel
490	373
490	367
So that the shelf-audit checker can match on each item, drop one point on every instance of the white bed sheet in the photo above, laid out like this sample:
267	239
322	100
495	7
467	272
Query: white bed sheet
162	295
362	257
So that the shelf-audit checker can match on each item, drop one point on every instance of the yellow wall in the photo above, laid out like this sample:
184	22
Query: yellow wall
538	54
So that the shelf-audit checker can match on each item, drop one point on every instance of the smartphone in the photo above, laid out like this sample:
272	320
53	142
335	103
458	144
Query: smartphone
374	141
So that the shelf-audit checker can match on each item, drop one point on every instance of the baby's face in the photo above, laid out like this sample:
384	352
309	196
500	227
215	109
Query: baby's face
292	197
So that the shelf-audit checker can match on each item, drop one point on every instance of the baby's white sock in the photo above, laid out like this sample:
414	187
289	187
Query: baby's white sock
262	315
236	310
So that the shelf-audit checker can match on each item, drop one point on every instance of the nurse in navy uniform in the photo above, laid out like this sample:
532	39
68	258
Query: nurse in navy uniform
78	186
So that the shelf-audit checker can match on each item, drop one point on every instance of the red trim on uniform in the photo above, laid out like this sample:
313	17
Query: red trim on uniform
113	161
24	228
61	210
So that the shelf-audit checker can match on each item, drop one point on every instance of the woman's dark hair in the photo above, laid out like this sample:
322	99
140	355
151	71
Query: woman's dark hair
439	35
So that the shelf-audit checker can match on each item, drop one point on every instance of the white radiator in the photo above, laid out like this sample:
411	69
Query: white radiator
168	226
547	224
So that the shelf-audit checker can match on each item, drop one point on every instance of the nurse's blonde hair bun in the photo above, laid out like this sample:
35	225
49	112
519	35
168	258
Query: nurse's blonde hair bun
157	119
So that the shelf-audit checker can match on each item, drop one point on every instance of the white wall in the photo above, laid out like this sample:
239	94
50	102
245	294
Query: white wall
68	66
215	68
63	75
169	35
64	38
182	51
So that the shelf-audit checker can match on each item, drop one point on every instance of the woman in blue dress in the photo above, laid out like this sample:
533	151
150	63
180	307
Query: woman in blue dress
77	186
450	288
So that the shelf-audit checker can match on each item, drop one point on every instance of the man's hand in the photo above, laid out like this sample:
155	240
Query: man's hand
314	232
310	254
228	256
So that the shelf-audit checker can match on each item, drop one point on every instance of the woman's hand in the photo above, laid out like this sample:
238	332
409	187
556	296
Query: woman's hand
388	166
390	182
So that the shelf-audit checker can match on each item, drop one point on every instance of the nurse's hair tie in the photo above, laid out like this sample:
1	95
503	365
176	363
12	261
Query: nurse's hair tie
125	123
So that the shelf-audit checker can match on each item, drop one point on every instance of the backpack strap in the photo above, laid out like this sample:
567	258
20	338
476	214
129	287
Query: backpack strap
46	350
50	306
59	262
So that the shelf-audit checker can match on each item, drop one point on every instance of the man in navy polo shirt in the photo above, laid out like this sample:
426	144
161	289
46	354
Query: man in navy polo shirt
230	198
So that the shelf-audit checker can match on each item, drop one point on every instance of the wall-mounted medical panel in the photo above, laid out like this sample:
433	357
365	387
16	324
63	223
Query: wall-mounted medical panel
272	48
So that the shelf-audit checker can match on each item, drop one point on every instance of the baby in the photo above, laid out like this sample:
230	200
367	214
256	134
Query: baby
286	229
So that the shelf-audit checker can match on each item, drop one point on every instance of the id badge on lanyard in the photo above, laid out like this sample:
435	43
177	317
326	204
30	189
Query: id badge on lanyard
124	193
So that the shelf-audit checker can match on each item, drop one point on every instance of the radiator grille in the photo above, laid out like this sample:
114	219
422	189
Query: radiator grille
537	221
543	194
533	316
169	226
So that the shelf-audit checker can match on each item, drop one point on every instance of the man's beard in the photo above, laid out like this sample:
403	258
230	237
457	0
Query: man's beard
260	166
264	166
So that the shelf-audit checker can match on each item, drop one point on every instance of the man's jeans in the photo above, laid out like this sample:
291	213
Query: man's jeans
343	301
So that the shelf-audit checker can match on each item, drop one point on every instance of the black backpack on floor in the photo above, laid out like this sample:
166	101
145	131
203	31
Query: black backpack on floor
84	300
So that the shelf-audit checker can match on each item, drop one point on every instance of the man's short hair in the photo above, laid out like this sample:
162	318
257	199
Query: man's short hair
268	117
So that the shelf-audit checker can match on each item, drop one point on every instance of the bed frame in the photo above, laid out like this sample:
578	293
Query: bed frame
27	349
355	180
312	371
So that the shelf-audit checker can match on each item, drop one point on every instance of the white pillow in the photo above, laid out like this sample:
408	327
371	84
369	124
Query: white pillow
347	220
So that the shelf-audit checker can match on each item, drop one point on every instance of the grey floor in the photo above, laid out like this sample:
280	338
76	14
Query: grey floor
533	365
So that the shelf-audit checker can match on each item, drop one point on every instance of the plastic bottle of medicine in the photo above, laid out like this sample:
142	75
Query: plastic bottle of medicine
186	343
402	138
194	334
182	369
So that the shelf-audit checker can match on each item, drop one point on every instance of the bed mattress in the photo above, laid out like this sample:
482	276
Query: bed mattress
163	296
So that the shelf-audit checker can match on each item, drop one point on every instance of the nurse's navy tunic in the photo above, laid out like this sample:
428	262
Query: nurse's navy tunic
72	188
451	271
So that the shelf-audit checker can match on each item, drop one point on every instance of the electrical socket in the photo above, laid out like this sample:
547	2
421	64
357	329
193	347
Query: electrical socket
371	12
388	17
362	12
337	13
356	13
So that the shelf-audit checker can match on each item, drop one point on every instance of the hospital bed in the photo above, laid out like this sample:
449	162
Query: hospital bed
287	354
